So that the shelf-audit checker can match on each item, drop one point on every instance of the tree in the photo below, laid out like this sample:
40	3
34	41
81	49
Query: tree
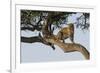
32	20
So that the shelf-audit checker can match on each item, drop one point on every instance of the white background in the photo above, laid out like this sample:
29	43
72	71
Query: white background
5	36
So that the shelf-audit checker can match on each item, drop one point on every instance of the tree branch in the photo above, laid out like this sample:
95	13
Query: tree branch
69	47
27	28
30	39
36	39
35	27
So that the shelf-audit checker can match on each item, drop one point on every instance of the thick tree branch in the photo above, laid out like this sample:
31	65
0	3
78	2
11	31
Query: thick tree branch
69	47
30	39
36	27
27	28
36	39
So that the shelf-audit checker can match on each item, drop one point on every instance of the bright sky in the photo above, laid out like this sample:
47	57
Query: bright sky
38	52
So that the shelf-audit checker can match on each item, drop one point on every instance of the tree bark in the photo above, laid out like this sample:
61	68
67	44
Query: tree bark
30	39
28	28
69	47
36	39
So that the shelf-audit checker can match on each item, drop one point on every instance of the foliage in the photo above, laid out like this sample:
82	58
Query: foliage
34	18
